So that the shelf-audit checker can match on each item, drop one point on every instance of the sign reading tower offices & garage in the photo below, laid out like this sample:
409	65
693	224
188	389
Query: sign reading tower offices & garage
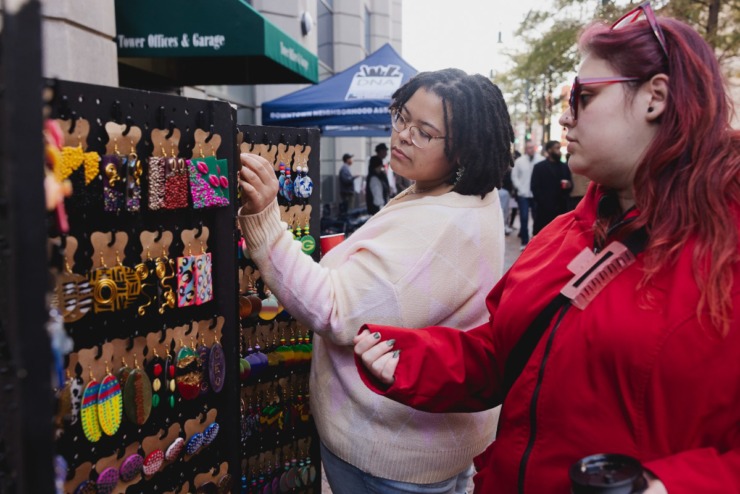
207	42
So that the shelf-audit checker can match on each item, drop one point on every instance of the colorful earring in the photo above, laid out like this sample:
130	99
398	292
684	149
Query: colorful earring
217	366
165	271
134	171
188	374
131	467
270	306
110	404
175	449
308	243
303	183
156	369
89	411
153	462
204	352
288	185
113	183
204	277
186	276
107	480
74	295
137	396
194	444
210	433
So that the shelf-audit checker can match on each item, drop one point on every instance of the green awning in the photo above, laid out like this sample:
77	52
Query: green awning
191	42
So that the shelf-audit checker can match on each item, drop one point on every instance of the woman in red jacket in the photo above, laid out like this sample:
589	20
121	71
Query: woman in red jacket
618	328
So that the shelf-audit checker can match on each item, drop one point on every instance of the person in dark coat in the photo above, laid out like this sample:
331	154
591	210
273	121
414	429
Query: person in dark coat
377	188
551	186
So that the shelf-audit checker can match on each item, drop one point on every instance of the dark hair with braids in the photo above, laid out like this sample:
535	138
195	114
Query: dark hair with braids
477	121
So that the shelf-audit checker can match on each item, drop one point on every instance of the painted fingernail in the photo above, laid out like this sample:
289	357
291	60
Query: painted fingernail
396	353
376	335
391	342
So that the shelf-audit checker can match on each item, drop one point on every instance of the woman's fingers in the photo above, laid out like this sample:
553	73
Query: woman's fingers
379	357
384	368
258	183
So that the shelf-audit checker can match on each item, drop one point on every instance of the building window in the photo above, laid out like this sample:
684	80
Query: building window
325	33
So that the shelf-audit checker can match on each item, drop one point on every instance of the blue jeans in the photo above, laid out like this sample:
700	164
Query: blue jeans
525	205
504	197
345	479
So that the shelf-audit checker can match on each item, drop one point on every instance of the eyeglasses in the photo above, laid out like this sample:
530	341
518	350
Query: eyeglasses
419	138
643	12
575	90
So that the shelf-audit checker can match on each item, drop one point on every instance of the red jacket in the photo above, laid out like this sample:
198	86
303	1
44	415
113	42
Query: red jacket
616	377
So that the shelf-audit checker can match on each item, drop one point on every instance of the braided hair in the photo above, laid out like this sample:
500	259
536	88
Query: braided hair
477	126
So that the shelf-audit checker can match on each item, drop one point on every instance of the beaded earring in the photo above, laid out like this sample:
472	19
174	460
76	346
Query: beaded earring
308	243
176	184
89	410
131	467
110	403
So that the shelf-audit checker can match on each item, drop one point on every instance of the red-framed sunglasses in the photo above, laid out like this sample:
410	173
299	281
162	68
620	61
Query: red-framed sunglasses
575	90
643	12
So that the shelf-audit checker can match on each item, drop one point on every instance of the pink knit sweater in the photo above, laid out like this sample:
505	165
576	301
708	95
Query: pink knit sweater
428	261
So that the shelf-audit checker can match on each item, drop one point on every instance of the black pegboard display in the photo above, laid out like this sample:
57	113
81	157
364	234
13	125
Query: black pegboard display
279	442
125	332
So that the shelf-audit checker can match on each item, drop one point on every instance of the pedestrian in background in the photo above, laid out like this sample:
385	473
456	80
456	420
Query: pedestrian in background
377	188
642	358
346	184
521	176
426	258
551	185
505	196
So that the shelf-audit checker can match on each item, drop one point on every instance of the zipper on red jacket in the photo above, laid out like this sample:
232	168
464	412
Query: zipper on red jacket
533	403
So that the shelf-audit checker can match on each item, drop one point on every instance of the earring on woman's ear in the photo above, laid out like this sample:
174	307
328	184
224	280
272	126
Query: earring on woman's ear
459	174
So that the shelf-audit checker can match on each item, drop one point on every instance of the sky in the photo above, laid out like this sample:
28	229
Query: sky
461	33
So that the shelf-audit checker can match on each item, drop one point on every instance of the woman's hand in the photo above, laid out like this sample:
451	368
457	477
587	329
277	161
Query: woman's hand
655	486
379	357
258	183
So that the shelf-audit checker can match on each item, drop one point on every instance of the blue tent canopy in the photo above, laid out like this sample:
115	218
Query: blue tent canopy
353	103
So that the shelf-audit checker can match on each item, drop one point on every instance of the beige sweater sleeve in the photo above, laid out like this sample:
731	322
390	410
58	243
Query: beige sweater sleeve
405	267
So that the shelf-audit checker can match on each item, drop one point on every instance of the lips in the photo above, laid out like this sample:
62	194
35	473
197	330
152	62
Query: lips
395	150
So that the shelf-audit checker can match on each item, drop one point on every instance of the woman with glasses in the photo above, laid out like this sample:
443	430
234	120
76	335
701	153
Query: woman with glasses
618	328
427	257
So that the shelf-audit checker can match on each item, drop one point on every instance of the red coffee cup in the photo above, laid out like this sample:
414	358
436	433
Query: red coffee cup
328	242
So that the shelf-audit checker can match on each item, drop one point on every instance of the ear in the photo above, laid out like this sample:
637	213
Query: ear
657	94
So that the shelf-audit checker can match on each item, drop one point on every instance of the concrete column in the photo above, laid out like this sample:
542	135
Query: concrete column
78	39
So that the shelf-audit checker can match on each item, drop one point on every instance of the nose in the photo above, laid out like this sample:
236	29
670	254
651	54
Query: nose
566	119
405	135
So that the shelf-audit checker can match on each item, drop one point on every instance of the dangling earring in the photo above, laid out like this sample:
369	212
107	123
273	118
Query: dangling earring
459	174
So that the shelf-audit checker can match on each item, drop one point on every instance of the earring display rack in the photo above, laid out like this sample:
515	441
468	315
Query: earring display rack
279	443
134	305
